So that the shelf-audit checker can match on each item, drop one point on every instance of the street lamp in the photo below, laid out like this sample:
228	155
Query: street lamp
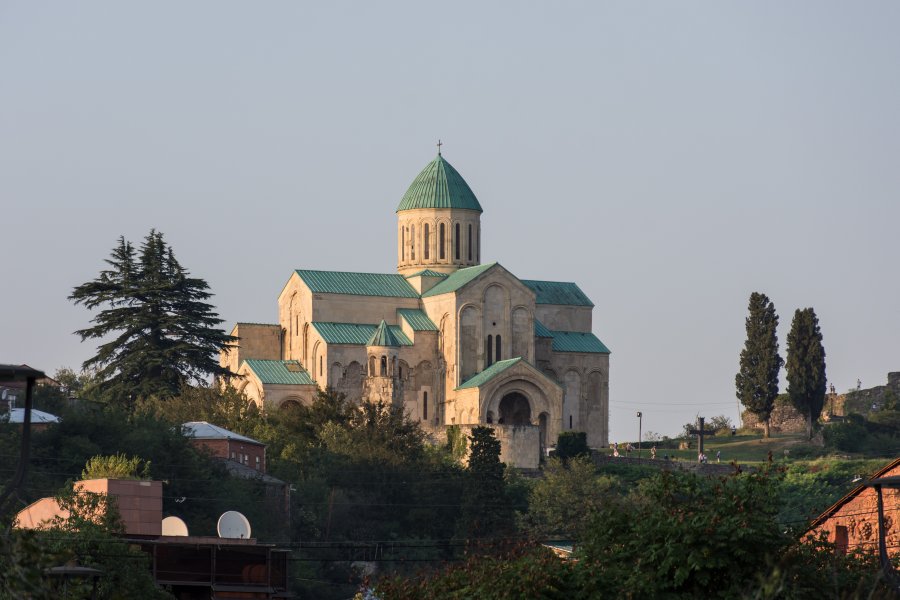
640	417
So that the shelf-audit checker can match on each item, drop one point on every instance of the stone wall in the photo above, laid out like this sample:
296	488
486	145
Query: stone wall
784	419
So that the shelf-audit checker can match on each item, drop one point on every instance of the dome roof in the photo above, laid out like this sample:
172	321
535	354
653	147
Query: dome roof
439	185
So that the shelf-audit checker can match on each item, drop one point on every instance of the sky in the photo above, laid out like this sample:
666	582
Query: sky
669	157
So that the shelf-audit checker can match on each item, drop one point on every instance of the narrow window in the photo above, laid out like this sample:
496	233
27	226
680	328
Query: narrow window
478	245
384	366
442	239
497	354
232	456
490	350
257	463
403	243
570	421
424	406
426	246
320	366
412	242
457	244
490	417
469	241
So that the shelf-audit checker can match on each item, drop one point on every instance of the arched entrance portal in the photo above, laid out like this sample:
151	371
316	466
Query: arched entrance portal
514	410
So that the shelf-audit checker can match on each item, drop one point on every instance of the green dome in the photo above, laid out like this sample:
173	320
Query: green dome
439	185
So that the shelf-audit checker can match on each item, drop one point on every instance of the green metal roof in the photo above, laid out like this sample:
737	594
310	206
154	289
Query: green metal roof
357	284
383	336
355	333
280	372
417	319
558	292
457	280
492	371
541	331
427	273
578	341
439	185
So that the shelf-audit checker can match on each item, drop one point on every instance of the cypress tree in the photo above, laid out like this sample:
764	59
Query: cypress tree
165	334
806	366
756	382
486	509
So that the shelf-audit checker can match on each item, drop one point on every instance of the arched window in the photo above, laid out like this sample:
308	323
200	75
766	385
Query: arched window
469	241
442	252
457	243
403	243
424	406
412	242
320	366
490	350
384	366
478	244
426	245
498	354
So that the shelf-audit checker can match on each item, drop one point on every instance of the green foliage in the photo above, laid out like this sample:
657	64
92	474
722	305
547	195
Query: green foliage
116	466
806	366
163	332
486	509
571	444
756	382
456	442
563	502
223	406
847	436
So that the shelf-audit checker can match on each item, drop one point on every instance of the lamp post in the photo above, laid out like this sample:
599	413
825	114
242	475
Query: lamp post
640	418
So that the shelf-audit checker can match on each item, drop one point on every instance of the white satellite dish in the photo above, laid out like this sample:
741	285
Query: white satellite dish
174	526
233	524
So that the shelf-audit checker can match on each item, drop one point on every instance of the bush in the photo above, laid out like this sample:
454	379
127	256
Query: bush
571	444
117	466
849	436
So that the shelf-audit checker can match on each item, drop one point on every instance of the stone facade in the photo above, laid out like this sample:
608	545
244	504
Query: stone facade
852	523
469	343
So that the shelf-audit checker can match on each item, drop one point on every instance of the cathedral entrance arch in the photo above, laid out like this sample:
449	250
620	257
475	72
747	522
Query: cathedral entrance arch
515	410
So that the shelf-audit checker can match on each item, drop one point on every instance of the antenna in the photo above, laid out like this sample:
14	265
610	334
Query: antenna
174	526
233	524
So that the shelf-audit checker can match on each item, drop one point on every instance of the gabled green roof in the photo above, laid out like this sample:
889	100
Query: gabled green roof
439	185
279	372
541	331
492	371
427	273
355	333
383	336
558	292
417	319
578	341
457	280
357	284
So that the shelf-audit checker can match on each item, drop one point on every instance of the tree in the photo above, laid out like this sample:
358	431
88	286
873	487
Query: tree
571	444
166	335
806	366
756	382
486	510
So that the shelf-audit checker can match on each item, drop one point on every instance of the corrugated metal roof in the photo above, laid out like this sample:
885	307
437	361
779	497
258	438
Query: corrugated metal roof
279	372
427	273
457	280
578	341
358	284
38	417
439	185
492	371
558	292
541	331
383	336
417	319
355	333
201	430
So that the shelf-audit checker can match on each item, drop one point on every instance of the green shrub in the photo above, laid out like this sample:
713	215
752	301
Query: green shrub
886	418
848	436
571	444
117	466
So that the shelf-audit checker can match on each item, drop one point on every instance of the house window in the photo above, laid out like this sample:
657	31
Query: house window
490	350
426	245
841	540
457	243
469	241
424	406
497	354
441	238
232	456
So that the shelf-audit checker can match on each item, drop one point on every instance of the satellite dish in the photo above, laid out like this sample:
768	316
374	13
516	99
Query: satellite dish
233	524
174	526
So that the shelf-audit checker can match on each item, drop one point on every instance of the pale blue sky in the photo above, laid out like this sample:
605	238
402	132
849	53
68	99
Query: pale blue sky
670	157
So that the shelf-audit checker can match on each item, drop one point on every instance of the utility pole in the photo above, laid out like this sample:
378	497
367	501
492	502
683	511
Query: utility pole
640	416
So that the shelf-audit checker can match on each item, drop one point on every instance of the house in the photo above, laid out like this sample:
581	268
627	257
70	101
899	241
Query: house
227	445
851	523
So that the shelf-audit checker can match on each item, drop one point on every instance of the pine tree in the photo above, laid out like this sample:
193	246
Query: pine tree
486	509
166	335
757	380
806	366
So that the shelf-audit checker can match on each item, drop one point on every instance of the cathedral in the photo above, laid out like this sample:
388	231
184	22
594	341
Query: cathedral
451	339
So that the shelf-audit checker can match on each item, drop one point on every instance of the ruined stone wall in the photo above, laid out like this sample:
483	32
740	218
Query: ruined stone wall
784	419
